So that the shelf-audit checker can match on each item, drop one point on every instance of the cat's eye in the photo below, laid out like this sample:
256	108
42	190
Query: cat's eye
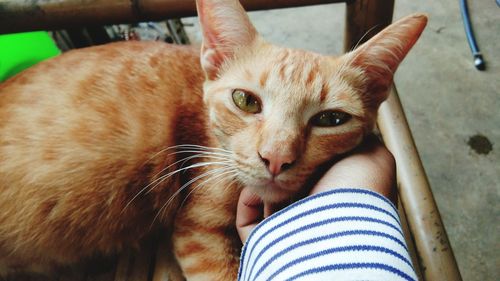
330	118
246	101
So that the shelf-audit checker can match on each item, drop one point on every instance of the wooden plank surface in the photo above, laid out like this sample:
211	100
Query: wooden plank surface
102	269
137	265
27	15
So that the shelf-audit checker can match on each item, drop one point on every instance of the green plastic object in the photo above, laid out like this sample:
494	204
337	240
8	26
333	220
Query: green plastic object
21	50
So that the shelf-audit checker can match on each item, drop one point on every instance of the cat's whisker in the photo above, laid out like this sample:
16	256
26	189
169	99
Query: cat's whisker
204	154
197	165
224	176
363	37
183	159
189	146
204	147
200	185
159	180
178	191
199	154
225	161
229	169
196	178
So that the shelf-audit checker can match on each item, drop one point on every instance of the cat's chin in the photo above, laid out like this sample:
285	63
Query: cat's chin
272	192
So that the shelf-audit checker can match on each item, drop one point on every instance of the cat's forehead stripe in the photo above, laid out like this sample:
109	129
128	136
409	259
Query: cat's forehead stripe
283	56
324	91
282	70
291	70
311	76
295	66
263	77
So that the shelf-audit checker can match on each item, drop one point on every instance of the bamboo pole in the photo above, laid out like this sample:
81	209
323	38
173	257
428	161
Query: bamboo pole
23	15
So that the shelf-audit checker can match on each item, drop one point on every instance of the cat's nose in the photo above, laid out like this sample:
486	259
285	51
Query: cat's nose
277	163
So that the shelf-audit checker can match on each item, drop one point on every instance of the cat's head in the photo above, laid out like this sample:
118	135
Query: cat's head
283	112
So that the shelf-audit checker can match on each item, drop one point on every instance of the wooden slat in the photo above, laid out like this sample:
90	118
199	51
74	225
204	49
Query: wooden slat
435	254
123	266
100	270
409	240
106	276
21	15
166	265
137	266
365	18
74	276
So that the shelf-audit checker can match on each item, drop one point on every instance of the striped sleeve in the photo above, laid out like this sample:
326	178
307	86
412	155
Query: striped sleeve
341	234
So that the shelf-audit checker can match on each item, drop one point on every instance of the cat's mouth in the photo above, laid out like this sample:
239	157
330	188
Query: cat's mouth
275	184
274	190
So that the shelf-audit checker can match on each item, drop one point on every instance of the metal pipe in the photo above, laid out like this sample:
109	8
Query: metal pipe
28	15
431	240
476	53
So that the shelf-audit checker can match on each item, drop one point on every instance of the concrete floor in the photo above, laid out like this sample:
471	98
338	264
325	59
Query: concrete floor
452	108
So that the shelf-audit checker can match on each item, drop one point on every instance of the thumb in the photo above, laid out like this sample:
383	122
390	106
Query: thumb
249	213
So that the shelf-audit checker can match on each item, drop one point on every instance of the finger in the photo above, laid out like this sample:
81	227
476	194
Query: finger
248	213
268	210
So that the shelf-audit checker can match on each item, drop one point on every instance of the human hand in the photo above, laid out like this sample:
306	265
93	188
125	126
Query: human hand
370	166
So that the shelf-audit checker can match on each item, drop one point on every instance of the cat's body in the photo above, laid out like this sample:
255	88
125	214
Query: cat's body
96	151
90	140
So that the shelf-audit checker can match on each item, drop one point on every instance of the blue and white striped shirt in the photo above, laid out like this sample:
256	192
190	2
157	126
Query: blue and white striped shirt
341	234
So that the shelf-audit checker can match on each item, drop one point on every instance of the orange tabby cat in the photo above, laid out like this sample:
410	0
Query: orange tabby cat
94	143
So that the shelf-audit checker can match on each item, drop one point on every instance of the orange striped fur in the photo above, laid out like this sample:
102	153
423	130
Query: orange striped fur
90	140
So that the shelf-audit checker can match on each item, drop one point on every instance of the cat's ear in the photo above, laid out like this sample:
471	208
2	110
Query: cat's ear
380	56
226	27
